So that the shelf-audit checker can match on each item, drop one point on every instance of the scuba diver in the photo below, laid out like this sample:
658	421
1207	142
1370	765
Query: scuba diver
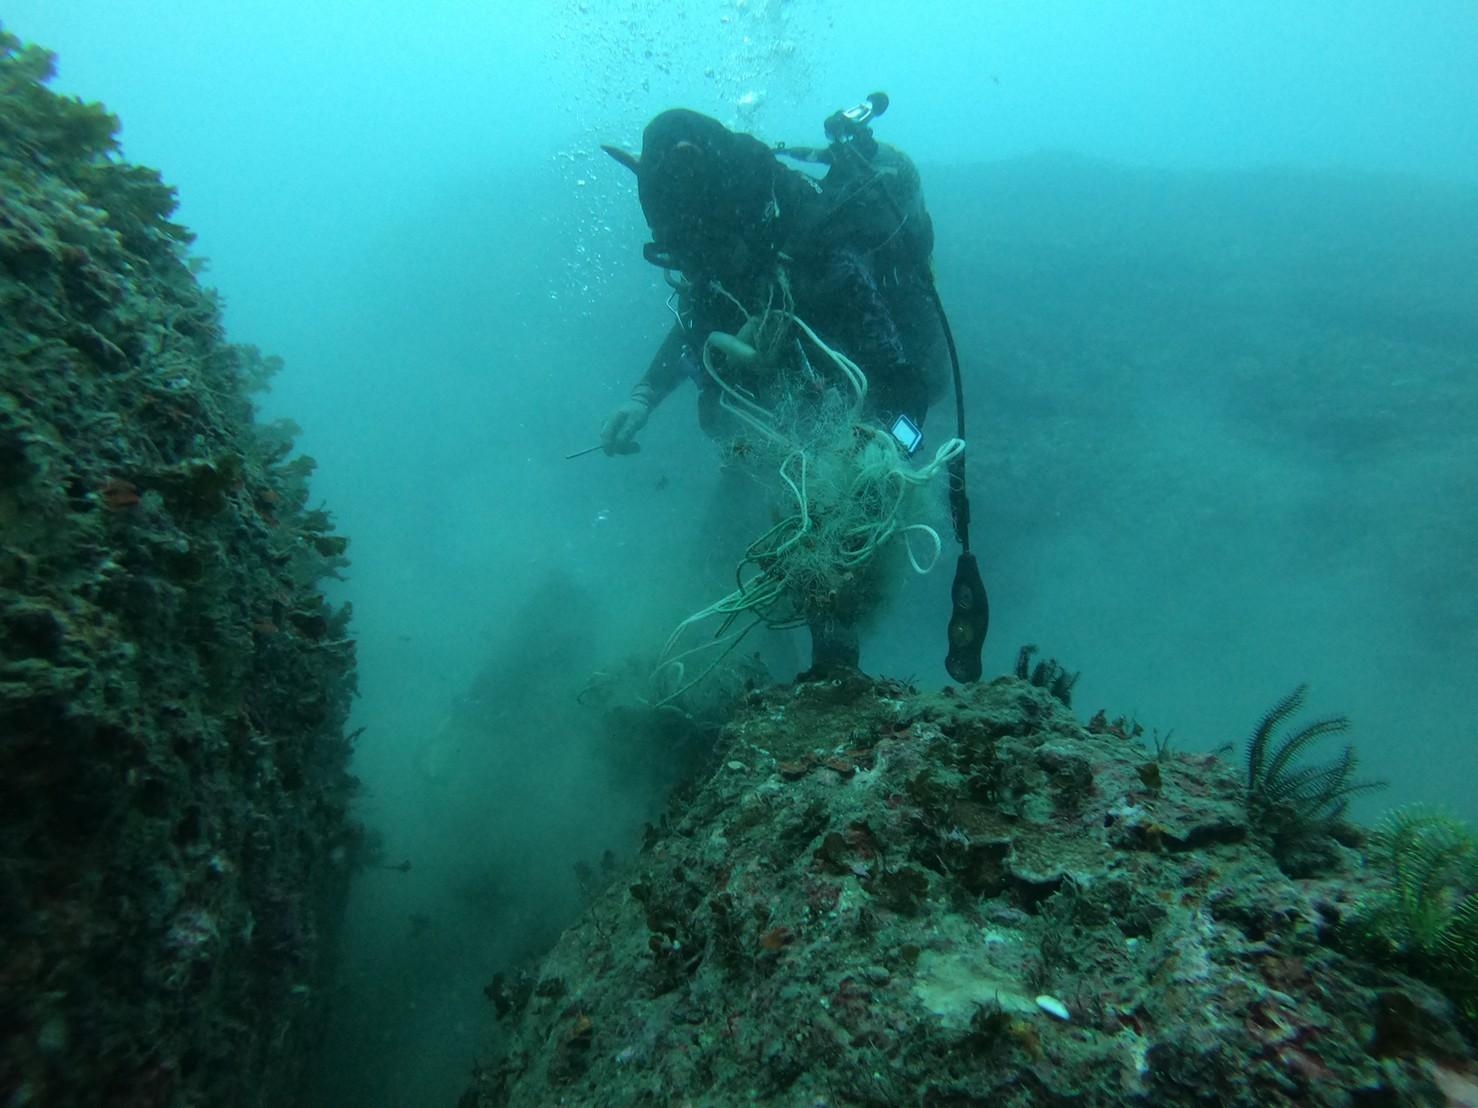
737	233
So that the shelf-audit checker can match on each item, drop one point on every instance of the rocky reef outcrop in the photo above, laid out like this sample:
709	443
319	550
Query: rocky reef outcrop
174	832
879	897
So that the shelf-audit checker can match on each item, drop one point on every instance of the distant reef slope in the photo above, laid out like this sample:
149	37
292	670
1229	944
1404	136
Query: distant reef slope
174	837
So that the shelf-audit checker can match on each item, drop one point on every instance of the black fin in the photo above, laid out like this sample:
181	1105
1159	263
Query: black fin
626	158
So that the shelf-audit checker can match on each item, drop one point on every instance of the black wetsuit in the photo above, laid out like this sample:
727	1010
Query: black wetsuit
855	254
857	269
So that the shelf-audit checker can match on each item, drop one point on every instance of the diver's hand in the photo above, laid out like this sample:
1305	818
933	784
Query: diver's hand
618	436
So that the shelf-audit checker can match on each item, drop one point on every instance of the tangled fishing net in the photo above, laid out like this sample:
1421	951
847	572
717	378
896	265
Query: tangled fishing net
848	488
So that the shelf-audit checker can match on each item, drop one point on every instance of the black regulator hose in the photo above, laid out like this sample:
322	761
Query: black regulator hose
969	616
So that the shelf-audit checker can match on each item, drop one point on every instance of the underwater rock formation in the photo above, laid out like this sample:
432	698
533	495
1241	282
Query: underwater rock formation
967	898
174	836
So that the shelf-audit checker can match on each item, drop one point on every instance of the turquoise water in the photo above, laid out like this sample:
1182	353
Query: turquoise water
1211	275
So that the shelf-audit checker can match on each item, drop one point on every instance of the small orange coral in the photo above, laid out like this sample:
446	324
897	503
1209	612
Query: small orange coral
777	938
118	494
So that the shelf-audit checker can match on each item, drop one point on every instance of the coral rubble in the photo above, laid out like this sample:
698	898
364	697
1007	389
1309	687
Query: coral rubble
174	836
965	898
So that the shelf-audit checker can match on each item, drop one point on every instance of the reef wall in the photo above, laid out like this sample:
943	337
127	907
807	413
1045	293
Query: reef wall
175	841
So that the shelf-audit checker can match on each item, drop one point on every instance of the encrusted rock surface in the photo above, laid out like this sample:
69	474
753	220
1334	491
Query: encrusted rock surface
878	897
174	838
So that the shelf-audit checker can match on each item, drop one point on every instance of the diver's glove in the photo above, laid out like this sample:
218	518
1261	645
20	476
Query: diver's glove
618	436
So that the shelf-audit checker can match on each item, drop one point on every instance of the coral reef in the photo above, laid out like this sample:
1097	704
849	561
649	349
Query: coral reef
174	831
879	897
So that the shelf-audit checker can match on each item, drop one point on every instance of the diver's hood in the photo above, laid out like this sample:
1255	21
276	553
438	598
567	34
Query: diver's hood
701	186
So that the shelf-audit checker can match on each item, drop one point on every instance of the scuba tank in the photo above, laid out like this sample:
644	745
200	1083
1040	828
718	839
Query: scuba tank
874	194
875	190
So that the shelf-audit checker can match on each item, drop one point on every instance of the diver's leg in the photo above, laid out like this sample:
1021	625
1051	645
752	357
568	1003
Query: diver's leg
835	647
837	622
